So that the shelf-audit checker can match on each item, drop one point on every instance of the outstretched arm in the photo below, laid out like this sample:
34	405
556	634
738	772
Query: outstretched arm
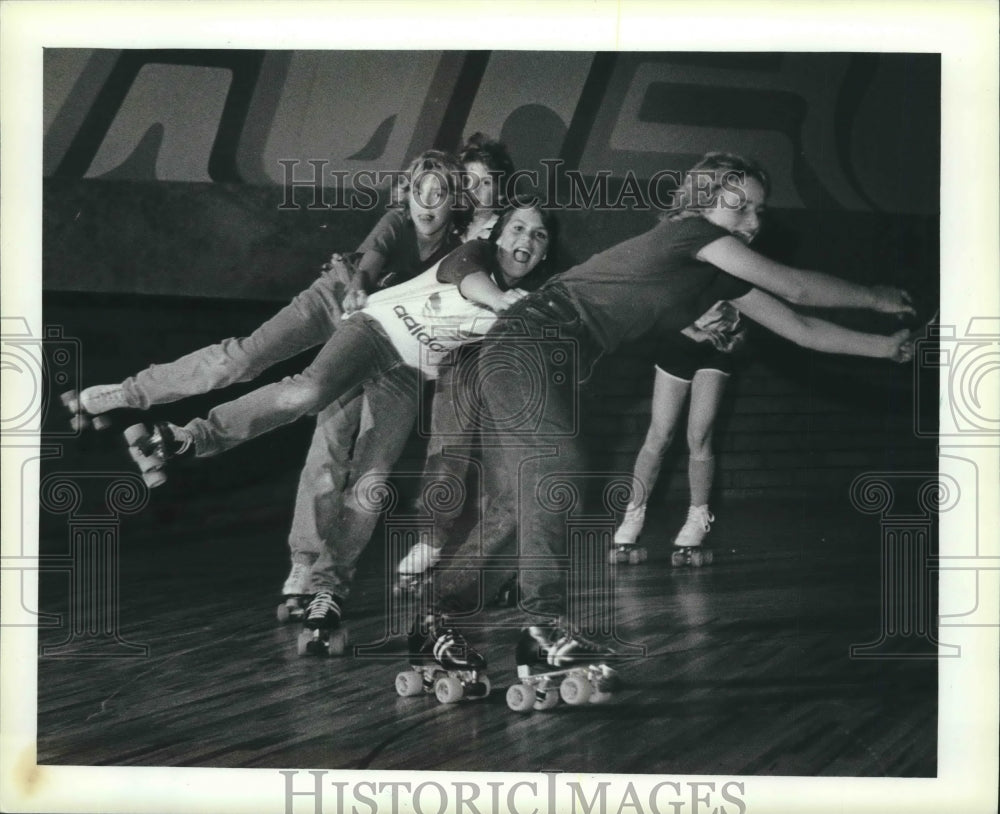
798	286
480	288
818	334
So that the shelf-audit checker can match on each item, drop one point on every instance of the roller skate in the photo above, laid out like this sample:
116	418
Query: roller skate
322	634
152	451
442	662
414	569
554	663
87	407
294	594
625	548
688	542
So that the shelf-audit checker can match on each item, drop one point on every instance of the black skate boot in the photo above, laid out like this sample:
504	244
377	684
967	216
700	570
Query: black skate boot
554	662
151	451
443	661
322	634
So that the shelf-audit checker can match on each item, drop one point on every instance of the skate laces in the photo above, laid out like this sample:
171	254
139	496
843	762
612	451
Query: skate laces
449	645
701	516
565	646
321	605
172	441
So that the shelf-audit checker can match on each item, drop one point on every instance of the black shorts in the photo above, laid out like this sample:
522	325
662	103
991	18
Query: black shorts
682	357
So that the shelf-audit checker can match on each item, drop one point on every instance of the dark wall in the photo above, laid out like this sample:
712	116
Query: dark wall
166	206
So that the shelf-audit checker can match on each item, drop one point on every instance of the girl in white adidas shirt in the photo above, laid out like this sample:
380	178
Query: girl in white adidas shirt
415	323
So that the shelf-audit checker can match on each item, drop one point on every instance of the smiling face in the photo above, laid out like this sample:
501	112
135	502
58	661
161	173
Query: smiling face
430	204
739	208
522	245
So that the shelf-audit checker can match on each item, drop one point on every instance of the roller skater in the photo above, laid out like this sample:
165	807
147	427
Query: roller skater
442	662
322	634
652	284
554	662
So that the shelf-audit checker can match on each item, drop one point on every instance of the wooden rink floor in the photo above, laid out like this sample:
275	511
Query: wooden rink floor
747	667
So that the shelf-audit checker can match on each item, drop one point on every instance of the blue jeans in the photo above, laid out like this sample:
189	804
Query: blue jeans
358	352
343	518
309	320
530	368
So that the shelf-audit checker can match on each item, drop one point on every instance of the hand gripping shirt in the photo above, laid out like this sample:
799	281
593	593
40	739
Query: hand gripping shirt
427	317
650	283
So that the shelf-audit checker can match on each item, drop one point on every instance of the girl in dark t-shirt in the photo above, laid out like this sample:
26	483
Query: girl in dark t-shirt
534	358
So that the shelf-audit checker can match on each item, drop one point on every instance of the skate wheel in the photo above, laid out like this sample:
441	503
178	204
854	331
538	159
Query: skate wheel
575	690
708	557
304	640
549	699
643	554
677	559
284	613
70	400
79	423
613	557
337	643
135	433
634	557
448	690
409	683
697	559
101	422
520	698
154	478
621	556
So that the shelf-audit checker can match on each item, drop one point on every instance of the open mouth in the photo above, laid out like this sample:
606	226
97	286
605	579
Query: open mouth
522	255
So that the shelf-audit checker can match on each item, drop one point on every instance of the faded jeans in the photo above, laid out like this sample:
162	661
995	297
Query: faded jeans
530	368
309	320
358	352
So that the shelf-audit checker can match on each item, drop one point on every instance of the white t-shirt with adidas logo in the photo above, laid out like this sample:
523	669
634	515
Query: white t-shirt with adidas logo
426	319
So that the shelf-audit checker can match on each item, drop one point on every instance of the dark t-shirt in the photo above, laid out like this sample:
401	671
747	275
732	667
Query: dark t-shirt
480	255
650	283
396	240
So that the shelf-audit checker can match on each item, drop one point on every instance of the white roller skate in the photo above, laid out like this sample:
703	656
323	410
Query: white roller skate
414	568
87	407
442	662
689	539
322	634
151	451
554	662
625	548
295	593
